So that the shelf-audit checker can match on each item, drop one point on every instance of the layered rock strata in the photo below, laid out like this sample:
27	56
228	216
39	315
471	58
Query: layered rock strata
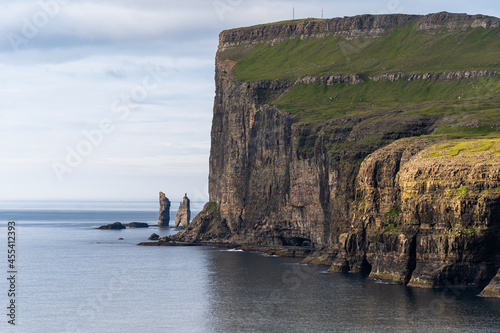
362	25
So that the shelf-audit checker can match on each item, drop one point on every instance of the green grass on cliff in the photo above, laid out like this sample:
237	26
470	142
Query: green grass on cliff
467	148
403	49
303	96
471	101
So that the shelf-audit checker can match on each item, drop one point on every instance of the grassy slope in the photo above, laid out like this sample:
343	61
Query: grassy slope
473	99
472	104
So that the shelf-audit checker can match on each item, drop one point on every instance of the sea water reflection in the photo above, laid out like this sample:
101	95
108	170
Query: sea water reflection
253	293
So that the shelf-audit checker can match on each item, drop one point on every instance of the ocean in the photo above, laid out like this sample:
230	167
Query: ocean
71	277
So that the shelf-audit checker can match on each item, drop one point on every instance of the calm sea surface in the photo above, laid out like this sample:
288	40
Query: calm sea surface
74	278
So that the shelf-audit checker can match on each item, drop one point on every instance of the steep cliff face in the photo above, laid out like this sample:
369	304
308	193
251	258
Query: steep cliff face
371	171
428	217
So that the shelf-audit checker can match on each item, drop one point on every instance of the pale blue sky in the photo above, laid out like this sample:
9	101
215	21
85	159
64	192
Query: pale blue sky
128	86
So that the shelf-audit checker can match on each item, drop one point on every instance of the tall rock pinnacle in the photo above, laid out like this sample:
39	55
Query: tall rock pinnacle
184	213
164	216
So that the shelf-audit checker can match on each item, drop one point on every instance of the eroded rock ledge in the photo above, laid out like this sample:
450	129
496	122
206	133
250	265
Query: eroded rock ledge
356	79
356	25
457	75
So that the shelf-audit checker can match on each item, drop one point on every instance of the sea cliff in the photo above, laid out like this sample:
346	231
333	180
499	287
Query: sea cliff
359	143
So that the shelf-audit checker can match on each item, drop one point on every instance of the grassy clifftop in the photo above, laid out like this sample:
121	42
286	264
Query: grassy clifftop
400	49
437	43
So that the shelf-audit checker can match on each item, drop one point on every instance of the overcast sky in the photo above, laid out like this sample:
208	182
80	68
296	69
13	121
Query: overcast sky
112	99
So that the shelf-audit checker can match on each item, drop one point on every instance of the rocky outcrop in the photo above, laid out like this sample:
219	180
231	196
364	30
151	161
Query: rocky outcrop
167	241
154	237
119	225
439	76
164	216
367	191
456	22
493	288
207	226
330	79
137	225
183	216
113	226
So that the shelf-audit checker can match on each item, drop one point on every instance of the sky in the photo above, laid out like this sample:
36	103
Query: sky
113	99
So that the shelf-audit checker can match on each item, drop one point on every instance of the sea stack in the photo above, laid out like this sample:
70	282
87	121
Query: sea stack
164	216
184	213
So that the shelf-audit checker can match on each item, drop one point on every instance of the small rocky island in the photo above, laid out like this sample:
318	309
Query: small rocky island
137	225
165	241
119	226
112	226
